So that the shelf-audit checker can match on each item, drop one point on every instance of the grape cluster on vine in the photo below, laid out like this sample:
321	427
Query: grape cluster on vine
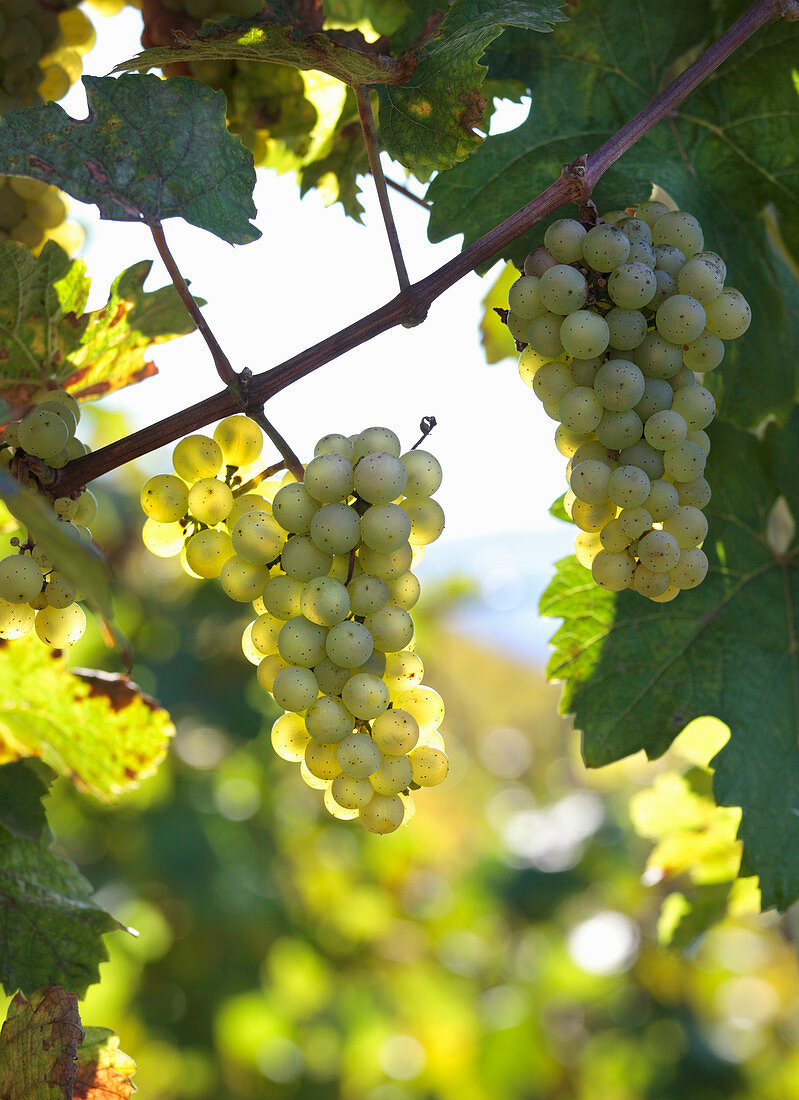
618	319
326	563
34	594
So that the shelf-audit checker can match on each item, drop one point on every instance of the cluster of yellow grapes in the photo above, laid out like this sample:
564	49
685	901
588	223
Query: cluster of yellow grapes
326	563
618	319
34	594
32	213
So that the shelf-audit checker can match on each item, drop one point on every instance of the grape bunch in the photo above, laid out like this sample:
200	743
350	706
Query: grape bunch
618	320
34	594
40	50
326	563
32	213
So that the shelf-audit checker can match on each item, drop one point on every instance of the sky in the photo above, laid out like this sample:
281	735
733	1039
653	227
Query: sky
314	271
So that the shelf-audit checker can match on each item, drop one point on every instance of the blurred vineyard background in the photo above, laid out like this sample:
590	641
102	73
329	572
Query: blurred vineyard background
506	945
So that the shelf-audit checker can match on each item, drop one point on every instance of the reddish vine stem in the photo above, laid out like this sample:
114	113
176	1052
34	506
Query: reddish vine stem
411	305
373	153
398	187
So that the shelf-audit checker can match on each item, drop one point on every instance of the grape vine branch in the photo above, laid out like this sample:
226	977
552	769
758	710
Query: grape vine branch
410	306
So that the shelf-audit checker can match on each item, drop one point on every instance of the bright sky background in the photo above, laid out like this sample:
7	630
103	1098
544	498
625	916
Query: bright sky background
313	272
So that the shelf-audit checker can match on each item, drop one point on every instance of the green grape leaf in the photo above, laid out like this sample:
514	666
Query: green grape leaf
38	1045
97	729
635	673
684	919
429	123
498	344
590	78
558	511
335	171
283	44
104	1072
23	785
47	341
150	149
782	457
50	928
83	562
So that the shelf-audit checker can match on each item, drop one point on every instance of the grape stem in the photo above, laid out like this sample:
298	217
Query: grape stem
373	153
410	306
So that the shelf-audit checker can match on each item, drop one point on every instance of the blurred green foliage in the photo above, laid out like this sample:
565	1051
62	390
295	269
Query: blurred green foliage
504	945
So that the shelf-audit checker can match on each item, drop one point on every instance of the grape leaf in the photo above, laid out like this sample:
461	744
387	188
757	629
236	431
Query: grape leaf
635	673
591	77
684	919
38	1045
50	928
283	44
48	342
103	1072
498	344
149	149
97	729
429	122
23	785
335	172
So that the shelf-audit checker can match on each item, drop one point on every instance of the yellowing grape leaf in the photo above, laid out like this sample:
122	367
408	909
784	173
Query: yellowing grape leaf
38	1045
104	1072
47	341
149	149
97	729
498	344
635	673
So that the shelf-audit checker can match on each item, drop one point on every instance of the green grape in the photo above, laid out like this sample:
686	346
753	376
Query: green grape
207	552
295	688
282	596
562	289
253	655
669	258
427	523
685	462
657	357
517	326
613	571
704	353
701	278
592	450
384	814
583	334
405	591
663	500
424	704
583	371
632	285
679	229
385	527
60	627
430	766
647	583
658	551
650	211
564	240
328	721
256	537
665	429
529	363
358	756
321	760
700	436
42	559
328	478
268	669
543	334
352	793
680	319
335	528
538	261
666	286
683	377
20	578
395	774
331	677
290	738
618	430
197	457
325	601
552	382
729	316
605	247
586	547
164	498
349	644
25	232
589	481
688	525
696	405
242	506
241	580
627	328
580	410
391	628
240	440
568	442
42	433
592	517
690	570
380	478
636	229
619	385
387	566
165	540
12	208
642	253
63	411
341	813
60	592
628	487
368	594
65	507
366	696
264	633
303	561
612	538
671	592
16	619
395	732
302	642
374	440
210	501
523	298
403	671
645	456
48	211
54	84
634	522
87	508
294	508
657	397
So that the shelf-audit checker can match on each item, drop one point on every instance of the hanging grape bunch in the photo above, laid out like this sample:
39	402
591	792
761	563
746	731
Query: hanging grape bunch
34	595
618	320
326	563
